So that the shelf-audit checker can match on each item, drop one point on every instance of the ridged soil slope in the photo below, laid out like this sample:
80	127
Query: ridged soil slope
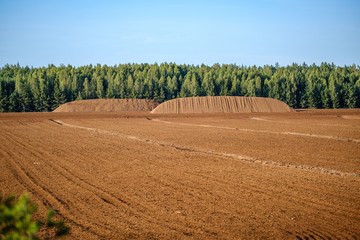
222	104
108	105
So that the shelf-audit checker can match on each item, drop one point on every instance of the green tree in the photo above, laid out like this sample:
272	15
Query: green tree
117	86
75	86
258	86
195	89
59	97
111	89
162	96
27	103
352	97
334	91
235	86
35	89
251	88
79	96
138	89
14	103
130	87
208	85
4	101
87	89
185	87
325	98
173	85
100	91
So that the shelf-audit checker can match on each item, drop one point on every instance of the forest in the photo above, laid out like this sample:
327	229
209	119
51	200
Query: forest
25	89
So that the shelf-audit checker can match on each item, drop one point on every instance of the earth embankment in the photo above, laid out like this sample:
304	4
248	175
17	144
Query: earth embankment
222	104
108	105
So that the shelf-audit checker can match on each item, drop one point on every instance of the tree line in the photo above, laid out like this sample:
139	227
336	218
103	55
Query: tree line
25	89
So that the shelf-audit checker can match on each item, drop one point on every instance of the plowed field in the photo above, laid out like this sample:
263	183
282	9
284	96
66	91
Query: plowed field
197	176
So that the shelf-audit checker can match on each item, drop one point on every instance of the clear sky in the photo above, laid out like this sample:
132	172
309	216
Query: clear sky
258	32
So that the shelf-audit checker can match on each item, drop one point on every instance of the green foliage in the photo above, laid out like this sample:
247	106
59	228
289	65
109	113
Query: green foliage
300	86
59	225
16	220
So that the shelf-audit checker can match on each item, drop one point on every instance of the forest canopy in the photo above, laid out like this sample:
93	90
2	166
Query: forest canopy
25	89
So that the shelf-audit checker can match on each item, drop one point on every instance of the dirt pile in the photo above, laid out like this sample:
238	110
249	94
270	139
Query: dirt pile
108	105
222	104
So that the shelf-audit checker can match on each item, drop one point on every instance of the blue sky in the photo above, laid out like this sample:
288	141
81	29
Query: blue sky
259	32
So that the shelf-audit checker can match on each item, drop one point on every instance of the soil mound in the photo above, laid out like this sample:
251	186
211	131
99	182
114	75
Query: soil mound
222	104
108	105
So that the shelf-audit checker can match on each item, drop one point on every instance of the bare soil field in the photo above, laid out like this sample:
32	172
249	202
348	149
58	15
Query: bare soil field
292	175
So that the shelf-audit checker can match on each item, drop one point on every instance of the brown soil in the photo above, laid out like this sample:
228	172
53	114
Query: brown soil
191	176
222	104
108	105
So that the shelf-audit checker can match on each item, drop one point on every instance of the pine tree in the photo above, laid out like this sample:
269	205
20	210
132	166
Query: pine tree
194	86
185	88
291	94
138	89
325	98
75	86
79	96
111	89
35	89
351	100
258	86
100	91
314	96
117	86
14	103
208	86
27	101
122	89
168	91
59	97
173	86
130	87
251	89
235	86
4	99
87	91
334	92
161	97
304	100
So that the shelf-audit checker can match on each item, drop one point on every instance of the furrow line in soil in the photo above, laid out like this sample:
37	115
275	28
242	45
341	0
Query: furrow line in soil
209	152
179	227
140	213
286	198
102	194
295	123
39	186
343	139
47	199
28	187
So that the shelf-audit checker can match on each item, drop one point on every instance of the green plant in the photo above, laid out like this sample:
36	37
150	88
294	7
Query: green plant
61	228
16	220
